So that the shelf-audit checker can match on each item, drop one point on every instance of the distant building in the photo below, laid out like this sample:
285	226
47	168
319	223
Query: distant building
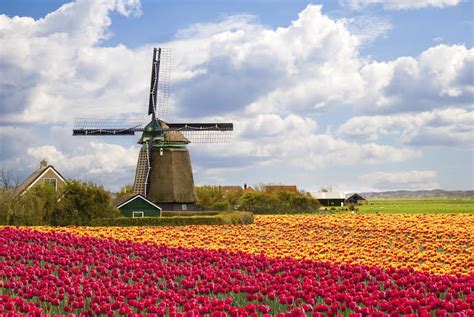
280	188
330	198
137	206
226	189
45	174
355	199
248	189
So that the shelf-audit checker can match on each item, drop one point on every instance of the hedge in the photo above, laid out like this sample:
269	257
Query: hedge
237	217
170	213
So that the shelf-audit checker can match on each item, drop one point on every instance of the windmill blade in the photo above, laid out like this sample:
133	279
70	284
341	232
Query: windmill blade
100	126
204	132
160	82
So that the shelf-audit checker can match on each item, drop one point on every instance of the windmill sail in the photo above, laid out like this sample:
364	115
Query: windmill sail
204	132
99	126
160	82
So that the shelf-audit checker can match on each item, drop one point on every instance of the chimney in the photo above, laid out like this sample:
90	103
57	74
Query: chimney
43	164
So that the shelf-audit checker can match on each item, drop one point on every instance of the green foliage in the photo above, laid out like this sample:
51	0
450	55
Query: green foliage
82	202
278	203
261	203
207	196
8	200
77	204
220	205
125	190
34	208
239	217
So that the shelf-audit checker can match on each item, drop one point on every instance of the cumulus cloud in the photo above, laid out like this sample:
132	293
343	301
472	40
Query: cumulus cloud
440	76
401	4
241	64
110	164
415	179
270	82
450	127
53	69
293	140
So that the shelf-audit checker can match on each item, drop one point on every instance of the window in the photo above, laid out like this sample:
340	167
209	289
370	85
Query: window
52	181
137	214
184	207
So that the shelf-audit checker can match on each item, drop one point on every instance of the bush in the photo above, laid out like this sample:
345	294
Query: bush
8	200
280	202
80	203
208	196
212	198
220	206
33	208
261	203
219	219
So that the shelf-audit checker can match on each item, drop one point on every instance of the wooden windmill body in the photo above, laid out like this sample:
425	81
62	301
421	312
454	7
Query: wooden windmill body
164	172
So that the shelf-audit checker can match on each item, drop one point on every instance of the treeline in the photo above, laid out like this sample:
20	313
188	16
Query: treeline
280	202
78	204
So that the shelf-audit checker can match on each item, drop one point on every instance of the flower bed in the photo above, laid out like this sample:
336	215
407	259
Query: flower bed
439	244
49	272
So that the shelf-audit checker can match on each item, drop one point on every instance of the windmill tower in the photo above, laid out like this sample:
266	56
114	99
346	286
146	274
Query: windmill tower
164	173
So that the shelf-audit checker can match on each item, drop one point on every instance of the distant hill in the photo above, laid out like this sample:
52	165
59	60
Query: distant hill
435	193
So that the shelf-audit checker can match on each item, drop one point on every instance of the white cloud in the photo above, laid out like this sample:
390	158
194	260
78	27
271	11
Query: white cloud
53	69
239	70
368	28
440	76
293	140
237	64
451	127
310	64
401	4
415	179
97	161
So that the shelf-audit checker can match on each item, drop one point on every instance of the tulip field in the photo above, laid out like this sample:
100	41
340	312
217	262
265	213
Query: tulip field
291	265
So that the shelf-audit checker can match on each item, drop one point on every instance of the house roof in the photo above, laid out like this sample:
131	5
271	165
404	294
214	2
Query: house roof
354	194
328	195
35	176
125	199
249	189
273	188
230	188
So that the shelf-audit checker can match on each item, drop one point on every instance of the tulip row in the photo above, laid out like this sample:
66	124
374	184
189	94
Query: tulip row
63	273
439	244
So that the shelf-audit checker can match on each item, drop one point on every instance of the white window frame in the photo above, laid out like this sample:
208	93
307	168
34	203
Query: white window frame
138	212
184	207
45	181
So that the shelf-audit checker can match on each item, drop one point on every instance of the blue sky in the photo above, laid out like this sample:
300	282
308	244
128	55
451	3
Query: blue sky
353	94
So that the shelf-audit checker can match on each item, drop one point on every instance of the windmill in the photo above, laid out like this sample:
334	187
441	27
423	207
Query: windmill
163	174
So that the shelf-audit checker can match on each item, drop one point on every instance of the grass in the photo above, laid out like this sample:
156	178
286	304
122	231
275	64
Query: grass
423	205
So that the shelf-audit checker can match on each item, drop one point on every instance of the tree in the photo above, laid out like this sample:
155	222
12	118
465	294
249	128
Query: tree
260	203
280	202
125	190
207	196
8	180
35	207
8	200
232	198
82	202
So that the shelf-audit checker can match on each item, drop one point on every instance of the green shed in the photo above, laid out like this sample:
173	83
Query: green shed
137	206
